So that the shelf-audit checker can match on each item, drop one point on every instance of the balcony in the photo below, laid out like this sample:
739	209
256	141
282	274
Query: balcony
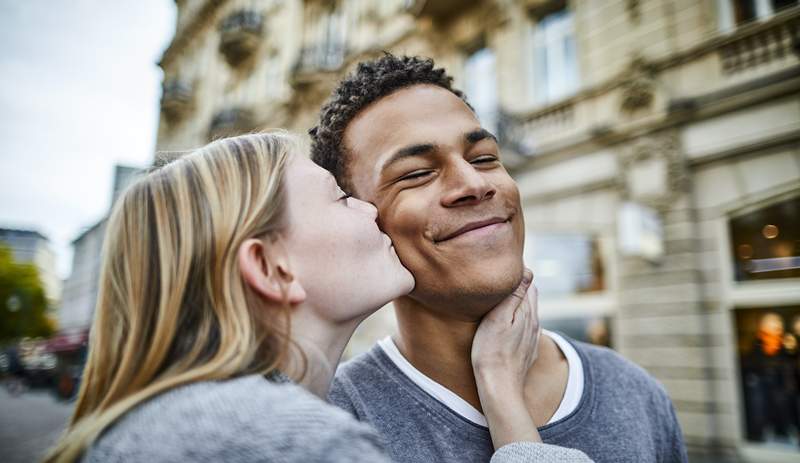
230	122
762	43
240	36
177	99
525	134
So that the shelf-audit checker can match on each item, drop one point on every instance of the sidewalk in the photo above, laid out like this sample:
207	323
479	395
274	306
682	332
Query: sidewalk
29	424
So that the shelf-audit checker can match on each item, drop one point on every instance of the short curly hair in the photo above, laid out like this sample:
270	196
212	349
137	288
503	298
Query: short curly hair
371	81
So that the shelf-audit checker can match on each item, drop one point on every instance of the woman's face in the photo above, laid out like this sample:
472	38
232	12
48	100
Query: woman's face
346	265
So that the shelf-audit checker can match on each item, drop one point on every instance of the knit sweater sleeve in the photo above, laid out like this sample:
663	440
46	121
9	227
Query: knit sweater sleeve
240	421
526	452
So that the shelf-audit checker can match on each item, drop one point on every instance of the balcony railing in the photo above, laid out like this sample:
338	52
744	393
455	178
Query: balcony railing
240	36
177	99
762	43
524	133
230	122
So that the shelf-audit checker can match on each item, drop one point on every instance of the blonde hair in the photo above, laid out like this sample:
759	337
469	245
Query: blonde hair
172	306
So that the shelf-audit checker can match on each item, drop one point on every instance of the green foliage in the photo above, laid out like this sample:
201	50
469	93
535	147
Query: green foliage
23	306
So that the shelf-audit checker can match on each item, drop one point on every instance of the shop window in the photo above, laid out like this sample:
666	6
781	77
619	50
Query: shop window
480	85
555	60
770	374
565	264
766	243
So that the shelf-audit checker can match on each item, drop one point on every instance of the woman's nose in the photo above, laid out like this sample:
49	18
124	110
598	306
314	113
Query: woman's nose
367	207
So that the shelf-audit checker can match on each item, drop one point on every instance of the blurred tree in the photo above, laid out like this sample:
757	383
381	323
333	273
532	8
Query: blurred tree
23	306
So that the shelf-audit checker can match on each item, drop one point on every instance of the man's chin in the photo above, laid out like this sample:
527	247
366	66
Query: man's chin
466	302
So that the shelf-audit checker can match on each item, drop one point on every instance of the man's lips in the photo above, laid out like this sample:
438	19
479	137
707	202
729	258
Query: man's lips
473	226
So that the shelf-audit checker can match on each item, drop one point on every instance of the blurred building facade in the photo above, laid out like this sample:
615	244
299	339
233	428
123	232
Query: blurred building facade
30	246
656	144
80	289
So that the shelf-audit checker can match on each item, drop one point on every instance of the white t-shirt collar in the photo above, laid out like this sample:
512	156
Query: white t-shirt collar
570	401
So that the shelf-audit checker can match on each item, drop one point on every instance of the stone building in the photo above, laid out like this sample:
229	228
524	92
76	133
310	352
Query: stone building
81	287
656	144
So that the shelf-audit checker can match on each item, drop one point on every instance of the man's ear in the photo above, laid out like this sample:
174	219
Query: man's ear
266	271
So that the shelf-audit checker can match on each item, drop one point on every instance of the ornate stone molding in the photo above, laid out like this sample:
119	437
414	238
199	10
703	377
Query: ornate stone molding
177	99
240	36
638	89
633	8
652	170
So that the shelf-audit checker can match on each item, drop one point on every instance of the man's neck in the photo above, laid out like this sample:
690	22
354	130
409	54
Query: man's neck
440	347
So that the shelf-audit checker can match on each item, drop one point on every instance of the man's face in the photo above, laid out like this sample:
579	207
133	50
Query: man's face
451	209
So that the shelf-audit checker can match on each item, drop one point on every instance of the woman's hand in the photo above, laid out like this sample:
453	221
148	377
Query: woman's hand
503	350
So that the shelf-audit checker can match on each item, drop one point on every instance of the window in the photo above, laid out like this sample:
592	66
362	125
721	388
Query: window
565	264
334	39
324	37
734	13
769	361
766	242
555	61
571	278
480	85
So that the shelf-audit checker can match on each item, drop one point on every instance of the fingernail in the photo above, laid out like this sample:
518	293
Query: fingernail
527	276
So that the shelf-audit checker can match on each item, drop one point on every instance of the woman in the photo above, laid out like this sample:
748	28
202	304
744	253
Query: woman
231	270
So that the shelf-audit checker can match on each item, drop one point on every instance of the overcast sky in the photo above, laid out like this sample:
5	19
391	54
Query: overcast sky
79	91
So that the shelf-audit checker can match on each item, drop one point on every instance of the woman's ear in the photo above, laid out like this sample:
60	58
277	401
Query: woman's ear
266	271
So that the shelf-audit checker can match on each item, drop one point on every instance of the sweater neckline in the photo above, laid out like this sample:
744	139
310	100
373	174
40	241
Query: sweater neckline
550	430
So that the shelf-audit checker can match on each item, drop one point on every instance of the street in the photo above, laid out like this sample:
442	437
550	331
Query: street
29	424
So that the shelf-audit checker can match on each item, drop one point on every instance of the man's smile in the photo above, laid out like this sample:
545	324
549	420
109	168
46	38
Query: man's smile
476	229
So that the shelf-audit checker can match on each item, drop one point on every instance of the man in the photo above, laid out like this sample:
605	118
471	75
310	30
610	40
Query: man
397	134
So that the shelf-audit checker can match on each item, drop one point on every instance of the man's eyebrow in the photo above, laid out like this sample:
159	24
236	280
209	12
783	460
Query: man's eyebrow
419	149
477	135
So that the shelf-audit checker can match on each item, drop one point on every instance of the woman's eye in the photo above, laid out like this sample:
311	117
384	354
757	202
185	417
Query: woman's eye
344	197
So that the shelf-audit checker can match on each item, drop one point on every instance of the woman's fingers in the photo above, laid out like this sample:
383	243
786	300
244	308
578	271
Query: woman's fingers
519	296
504	330
504	348
531	329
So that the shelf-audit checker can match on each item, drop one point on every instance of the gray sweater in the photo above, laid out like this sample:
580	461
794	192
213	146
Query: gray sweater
624	415
252	419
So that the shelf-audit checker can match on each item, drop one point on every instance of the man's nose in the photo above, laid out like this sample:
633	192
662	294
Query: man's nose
466	186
